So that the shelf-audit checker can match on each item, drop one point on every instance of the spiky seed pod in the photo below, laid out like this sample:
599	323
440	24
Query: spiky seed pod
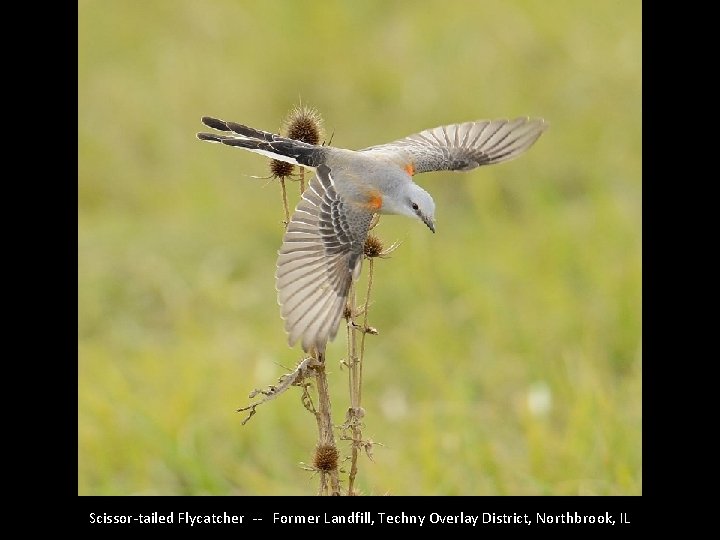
281	169
304	124
373	246
326	458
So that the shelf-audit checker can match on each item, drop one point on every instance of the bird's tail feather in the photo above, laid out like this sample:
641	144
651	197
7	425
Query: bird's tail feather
262	142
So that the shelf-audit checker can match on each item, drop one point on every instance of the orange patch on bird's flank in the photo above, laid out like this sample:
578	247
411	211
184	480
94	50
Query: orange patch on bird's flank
375	200
410	169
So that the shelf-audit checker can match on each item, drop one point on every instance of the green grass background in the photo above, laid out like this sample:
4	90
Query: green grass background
509	359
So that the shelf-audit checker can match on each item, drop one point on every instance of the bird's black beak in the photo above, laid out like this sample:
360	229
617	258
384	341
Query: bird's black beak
429	222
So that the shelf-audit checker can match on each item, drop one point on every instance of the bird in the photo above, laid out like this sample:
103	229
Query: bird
322	247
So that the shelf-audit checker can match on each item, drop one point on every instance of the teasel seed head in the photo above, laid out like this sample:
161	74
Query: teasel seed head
326	458
373	246
304	124
281	169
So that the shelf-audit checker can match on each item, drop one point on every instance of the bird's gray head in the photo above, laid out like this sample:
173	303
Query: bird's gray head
420	204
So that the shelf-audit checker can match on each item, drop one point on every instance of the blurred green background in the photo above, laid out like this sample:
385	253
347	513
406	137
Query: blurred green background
509	359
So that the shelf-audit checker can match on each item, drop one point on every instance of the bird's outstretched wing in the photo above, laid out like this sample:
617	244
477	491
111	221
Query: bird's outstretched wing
320	255
463	147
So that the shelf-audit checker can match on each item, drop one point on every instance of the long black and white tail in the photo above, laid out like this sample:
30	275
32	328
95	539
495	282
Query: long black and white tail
262	142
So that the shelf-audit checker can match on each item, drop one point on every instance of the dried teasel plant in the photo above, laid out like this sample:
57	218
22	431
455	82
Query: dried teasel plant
305	124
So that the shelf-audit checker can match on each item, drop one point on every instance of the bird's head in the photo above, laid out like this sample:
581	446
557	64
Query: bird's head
420	204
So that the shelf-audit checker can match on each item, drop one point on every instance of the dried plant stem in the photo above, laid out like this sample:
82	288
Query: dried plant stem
355	413
326	436
305	124
285	202
352	350
365	325
351	419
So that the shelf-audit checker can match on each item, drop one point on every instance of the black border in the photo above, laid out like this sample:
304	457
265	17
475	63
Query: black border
52	274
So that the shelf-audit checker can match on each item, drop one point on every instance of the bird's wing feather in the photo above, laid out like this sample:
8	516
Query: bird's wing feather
463	147
320	256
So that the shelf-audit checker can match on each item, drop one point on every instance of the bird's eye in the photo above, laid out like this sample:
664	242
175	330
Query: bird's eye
415	206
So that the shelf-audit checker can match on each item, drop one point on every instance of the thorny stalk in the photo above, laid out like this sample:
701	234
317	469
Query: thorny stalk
304	124
352	360
355	412
285	202
365	325
326	435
